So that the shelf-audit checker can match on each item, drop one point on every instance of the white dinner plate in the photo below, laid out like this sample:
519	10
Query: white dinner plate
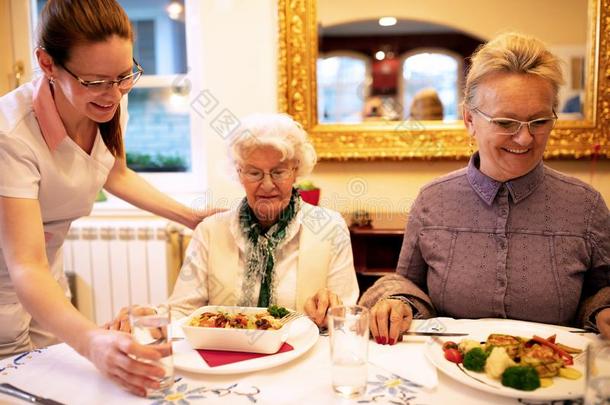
561	389
303	335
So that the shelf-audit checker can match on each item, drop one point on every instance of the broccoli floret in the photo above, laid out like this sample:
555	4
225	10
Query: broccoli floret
277	311
474	360
523	378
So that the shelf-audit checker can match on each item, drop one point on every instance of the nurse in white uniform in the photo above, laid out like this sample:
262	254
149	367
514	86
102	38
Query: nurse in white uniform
61	142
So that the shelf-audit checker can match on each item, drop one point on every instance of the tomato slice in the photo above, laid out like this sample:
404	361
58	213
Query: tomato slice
449	345
454	355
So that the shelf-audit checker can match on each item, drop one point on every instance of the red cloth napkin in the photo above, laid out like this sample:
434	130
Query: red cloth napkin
216	358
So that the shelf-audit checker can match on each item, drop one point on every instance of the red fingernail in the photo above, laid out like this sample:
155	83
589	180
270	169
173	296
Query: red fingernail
382	340
377	339
391	341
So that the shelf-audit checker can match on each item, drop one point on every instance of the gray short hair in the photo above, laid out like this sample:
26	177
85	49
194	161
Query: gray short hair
278	131
513	53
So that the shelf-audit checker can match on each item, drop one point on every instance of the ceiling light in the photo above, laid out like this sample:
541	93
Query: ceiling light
380	55
174	10
387	21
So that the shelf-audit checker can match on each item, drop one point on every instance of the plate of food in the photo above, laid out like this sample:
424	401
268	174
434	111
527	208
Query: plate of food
240	329
515	359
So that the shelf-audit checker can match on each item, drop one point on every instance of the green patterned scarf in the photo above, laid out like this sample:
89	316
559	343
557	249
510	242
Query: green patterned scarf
260	250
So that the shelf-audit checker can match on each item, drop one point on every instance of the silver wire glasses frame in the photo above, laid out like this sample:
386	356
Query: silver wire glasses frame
511	127
124	83
256	175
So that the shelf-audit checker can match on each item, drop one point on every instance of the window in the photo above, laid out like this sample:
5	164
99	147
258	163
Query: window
159	137
342	87
437	70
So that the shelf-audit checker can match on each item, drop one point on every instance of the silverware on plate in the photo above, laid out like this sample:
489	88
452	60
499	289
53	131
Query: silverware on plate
415	333
9	389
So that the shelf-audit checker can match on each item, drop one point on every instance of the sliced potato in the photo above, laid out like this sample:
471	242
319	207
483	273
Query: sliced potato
569	373
546	382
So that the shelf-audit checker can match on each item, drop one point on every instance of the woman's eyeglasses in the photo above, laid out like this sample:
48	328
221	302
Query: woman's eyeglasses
511	127
124	83
256	175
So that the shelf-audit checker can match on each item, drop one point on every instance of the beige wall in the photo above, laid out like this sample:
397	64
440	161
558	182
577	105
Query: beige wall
6	47
482	18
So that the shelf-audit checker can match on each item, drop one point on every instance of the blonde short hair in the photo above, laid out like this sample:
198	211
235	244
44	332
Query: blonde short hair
426	105
278	131
513	53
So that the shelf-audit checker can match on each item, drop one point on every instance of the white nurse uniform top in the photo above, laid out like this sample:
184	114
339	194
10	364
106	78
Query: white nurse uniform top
38	160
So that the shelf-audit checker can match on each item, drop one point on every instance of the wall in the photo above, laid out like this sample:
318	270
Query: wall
389	186
482	18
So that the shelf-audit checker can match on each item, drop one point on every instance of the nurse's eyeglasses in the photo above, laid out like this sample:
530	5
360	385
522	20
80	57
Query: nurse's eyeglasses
511	127
124	83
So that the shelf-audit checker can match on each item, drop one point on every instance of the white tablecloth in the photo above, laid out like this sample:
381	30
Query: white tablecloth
58	372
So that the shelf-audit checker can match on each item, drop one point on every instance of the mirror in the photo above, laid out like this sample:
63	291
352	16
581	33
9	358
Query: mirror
367	91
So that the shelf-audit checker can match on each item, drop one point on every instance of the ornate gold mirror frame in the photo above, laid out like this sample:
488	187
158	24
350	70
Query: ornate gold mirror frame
298	48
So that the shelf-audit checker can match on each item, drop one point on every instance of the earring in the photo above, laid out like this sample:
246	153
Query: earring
51	81
470	145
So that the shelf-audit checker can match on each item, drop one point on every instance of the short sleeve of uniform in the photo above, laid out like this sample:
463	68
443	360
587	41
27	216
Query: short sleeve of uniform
19	173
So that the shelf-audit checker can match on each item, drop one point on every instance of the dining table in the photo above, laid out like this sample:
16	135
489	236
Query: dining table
397	374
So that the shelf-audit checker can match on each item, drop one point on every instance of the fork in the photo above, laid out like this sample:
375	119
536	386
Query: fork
290	317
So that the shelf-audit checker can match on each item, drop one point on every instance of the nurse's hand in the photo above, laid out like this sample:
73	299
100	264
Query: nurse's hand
602	320
201	214
110	352
316	306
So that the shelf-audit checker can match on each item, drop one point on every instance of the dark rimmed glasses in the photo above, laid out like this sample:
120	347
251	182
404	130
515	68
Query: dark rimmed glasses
124	83
511	127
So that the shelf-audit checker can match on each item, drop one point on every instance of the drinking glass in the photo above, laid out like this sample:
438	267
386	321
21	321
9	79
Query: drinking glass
598	373
150	326
348	327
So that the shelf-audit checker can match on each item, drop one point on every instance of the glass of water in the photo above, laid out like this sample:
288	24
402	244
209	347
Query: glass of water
348	328
150	326
598	373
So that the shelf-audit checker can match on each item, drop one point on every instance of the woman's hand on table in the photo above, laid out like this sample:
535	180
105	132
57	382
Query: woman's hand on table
121	321
316	306
602	320
110	352
389	318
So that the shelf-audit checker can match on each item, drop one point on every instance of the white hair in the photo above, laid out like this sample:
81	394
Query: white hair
278	131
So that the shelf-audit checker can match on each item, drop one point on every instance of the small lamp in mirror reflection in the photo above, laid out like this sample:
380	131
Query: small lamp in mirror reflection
361	219
309	192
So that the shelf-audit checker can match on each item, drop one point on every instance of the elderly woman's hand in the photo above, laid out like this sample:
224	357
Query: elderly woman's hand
316	306
602	321
121	321
389	318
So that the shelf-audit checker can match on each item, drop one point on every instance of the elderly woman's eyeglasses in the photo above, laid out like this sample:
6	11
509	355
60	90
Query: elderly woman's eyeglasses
255	175
511	127
124	83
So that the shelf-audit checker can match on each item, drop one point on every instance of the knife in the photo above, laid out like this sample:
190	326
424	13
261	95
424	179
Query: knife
9	389
414	333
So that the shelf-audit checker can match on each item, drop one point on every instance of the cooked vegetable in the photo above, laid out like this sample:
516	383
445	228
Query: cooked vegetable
449	345
522	378
546	382
467	345
497	362
569	373
567	358
454	355
475	359
277	311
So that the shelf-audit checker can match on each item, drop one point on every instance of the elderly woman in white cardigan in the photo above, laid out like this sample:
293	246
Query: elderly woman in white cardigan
273	248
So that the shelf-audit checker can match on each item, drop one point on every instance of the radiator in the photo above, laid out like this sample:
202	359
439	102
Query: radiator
117	263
